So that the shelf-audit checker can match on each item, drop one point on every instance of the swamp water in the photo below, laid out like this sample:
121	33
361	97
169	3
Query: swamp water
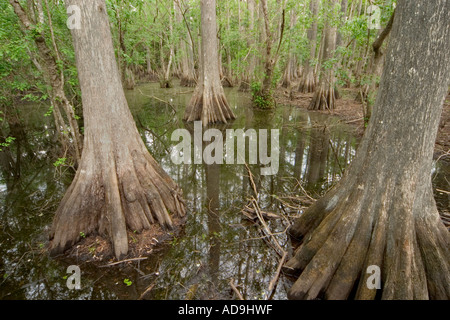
217	245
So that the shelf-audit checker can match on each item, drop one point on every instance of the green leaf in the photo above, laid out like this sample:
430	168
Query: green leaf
128	282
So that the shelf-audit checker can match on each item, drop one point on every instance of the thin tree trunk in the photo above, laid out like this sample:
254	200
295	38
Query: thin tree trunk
343	18
308	79
118	187
382	212
263	98
187	67
289	71
127	74
268	62
325	94
150	73
376	64
229	70
166	82
55	79
248	77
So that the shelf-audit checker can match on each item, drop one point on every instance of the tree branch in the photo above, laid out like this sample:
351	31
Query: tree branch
382	36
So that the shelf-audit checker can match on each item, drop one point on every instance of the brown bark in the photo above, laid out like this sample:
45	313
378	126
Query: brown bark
382	212
208	102
118	185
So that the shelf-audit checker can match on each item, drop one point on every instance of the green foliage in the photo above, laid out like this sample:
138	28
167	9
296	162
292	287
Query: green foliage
60	162
128	282
258	99
6	143
20	67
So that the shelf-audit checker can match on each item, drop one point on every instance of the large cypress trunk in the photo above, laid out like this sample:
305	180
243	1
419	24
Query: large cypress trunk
118	185
383	212
208	102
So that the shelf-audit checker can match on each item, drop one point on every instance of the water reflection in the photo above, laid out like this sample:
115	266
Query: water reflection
217	243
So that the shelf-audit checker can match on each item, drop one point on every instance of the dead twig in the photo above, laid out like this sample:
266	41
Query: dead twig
235	289
149	288
122	261
304	191
156	98
443	191
278	248
274	281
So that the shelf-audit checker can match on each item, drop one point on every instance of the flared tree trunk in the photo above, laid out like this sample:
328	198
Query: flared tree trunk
118	185
382	213
325	95
308	78
208	102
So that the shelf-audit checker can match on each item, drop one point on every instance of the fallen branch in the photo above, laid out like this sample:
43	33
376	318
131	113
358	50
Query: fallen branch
278	249
274	281
443	191
149	288
252	182
122	261
304	191
251	214
235	289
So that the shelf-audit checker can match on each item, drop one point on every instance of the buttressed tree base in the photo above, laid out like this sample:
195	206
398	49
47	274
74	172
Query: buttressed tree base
382	212
118	184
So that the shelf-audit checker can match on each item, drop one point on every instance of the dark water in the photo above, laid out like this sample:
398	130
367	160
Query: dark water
217	243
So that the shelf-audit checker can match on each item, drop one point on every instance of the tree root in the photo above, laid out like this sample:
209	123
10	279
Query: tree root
208	105
324	98
307	83
343	234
